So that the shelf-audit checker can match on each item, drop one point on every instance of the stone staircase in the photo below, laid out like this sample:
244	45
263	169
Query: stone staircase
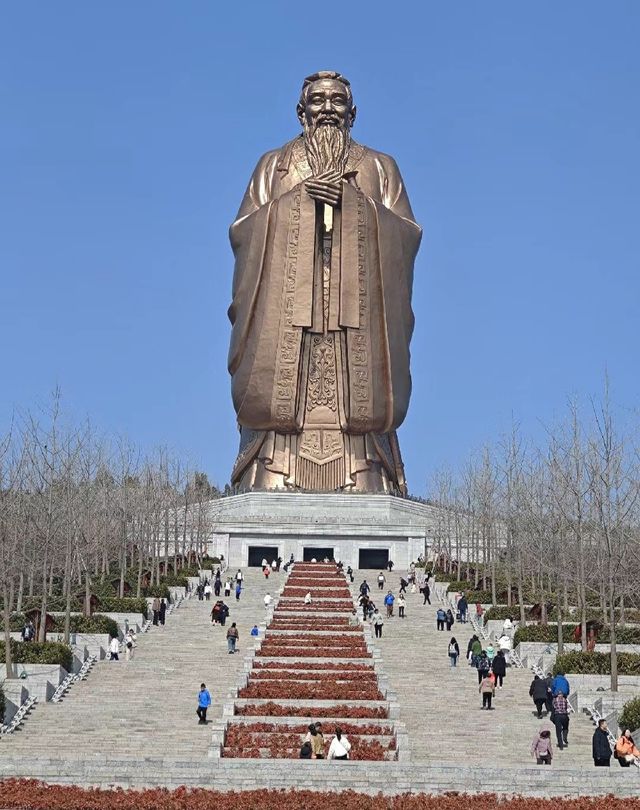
433	695
147	706
134	724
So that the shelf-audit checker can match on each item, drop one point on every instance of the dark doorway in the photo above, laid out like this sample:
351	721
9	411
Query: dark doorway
317	553
374	558
259	553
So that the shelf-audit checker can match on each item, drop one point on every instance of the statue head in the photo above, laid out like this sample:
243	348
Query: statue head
326	112
326	99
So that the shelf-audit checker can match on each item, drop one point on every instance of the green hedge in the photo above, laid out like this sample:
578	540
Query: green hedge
176	580
16	622
161	591
33	652
549	633
630	715
89	624
55	604
125	605
596	663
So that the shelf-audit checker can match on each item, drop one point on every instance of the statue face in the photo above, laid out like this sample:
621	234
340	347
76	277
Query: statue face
327	102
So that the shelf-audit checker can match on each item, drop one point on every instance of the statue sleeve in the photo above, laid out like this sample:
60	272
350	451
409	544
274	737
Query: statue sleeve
273	242
375	301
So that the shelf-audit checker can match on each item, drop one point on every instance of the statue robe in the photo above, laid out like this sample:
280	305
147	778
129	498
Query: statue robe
279	294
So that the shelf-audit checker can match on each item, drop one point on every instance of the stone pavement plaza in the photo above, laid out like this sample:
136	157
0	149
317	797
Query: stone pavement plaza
134	724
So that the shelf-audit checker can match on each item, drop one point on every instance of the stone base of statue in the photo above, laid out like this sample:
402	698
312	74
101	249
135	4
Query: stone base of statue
363	531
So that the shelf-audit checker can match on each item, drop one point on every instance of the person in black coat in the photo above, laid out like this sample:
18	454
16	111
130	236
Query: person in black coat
499	667
538	691
600	746
163	611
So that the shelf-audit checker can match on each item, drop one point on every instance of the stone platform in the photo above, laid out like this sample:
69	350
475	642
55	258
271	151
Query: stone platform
361	530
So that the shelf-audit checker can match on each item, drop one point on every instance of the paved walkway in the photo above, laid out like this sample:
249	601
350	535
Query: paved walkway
441	707
147	706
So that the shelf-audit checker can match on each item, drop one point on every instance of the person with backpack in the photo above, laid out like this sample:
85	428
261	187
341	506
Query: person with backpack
441	617
463	607
484	667
454	652
204	701
381	581
487	690
364	588
232	638
541	747
238	589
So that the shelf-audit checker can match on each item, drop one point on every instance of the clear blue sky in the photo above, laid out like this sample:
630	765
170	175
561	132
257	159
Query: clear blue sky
129	131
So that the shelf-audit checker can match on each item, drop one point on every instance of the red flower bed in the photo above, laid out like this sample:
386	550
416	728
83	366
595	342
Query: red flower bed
316	593
240	737
18	794
360	749
329	624
312	652
325	666
310	675
317	607
321	689
302	728
306	638
271	709
316	582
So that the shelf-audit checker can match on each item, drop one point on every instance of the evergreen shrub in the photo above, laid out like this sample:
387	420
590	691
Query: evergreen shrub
630	715
596	663
34	652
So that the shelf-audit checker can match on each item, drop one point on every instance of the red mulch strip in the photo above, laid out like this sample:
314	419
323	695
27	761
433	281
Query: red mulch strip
18	794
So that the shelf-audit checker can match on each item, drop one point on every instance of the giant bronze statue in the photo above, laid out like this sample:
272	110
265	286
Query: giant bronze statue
324	245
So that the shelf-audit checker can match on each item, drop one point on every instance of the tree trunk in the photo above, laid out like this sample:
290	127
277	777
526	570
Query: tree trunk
7	634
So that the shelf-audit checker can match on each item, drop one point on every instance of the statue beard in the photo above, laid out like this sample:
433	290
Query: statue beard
327	147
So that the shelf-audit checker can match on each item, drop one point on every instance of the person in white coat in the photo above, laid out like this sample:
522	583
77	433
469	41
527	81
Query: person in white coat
307	599
340	746
129	644
114	649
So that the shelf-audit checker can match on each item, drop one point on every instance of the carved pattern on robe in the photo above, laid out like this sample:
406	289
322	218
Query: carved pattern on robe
322	373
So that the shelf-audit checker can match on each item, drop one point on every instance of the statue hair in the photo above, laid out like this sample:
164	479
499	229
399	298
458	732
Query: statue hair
316	77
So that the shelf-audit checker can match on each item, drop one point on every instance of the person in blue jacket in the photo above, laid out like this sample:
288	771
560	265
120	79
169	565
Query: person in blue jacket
204	701
389	600
560	684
